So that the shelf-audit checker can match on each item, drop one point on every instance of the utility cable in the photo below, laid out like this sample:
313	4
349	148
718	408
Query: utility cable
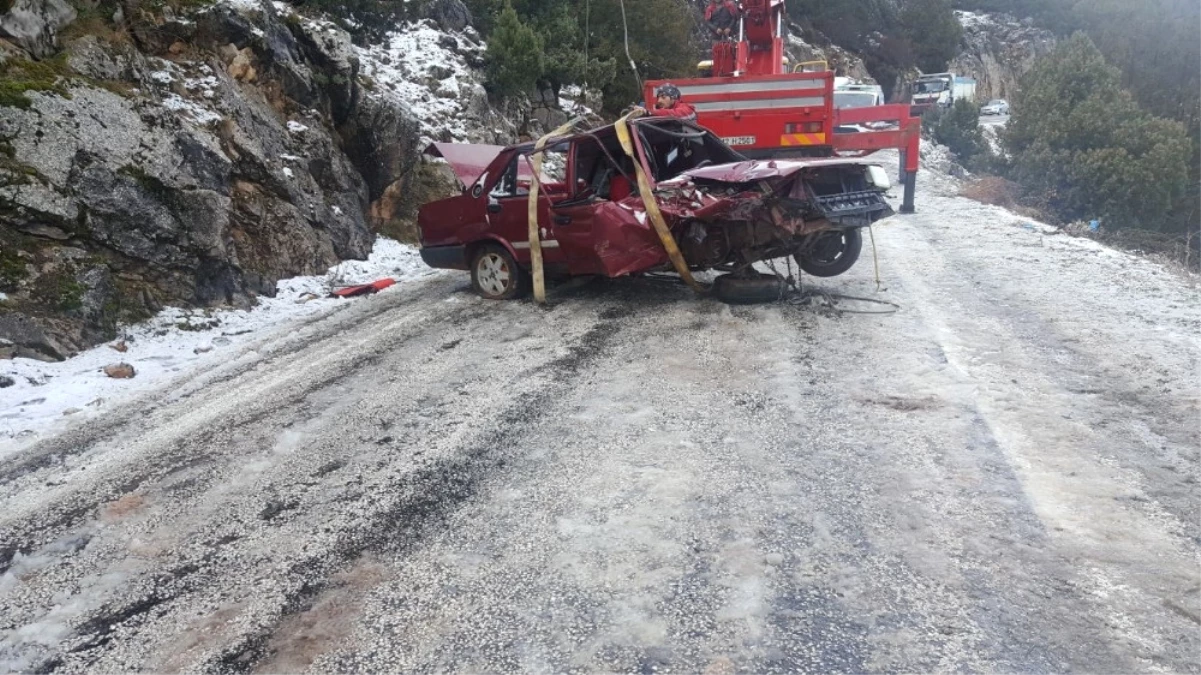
625	26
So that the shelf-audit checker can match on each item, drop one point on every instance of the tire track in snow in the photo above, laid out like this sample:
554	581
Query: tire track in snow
1129	554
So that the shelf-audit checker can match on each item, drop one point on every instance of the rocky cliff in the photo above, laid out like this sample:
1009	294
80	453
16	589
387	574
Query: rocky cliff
997	50
803	46
186	153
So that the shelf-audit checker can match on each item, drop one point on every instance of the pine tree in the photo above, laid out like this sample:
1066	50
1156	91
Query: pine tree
959	130
933	31
1082	146
514	57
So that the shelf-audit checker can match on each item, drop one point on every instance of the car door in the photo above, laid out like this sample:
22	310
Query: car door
574	232
508	212
573	218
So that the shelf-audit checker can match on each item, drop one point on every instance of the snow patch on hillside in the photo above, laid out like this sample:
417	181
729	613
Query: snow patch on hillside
974	19
434	74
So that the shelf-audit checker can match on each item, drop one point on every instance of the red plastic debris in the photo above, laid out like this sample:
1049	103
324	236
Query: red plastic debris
363	289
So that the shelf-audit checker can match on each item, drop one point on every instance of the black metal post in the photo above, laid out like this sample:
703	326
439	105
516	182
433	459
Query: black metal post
910	179
908	184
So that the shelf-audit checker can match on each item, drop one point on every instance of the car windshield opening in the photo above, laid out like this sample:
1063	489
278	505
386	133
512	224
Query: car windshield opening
602	169
674	147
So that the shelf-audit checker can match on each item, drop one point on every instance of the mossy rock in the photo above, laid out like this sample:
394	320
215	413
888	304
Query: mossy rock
18	77
12	270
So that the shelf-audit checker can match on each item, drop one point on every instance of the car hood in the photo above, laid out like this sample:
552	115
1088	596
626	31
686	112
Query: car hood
756	170
469	160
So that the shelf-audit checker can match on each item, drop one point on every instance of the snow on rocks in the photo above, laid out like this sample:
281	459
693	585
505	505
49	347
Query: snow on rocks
296	127
974	19
195	112
200	83
174	343
432	73
936	157
575	101
205	85
992	136
243	6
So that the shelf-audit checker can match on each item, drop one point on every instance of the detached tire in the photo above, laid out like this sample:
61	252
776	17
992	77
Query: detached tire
736	290
495	275
833	253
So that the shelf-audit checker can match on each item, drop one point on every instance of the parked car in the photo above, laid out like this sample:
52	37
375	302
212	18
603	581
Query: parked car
725	212
997	106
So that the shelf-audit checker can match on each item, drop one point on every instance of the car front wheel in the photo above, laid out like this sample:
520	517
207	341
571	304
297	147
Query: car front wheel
495	275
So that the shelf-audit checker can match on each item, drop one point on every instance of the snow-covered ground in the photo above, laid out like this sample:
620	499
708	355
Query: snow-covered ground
46	397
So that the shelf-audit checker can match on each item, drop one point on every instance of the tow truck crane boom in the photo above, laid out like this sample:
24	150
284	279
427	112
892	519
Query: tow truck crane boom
763	111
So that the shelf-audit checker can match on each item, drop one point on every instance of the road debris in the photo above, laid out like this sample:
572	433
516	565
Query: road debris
120	371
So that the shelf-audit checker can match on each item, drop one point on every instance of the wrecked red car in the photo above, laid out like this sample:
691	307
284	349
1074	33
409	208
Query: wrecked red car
724	211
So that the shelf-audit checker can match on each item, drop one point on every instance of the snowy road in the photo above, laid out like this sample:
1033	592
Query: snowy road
1002	476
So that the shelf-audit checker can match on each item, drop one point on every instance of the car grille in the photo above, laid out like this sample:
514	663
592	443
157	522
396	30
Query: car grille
853	204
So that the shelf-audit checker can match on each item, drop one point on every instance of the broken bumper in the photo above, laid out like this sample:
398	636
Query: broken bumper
445	257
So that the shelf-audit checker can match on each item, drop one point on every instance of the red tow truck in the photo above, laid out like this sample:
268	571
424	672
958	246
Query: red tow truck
762	111
765	174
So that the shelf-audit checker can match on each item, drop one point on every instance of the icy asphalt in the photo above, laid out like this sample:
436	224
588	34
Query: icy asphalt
1000	477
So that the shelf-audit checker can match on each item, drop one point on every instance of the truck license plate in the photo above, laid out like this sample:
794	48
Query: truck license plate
739	140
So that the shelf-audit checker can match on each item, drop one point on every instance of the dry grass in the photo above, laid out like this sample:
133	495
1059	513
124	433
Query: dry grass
1007	194
99	26
1178	250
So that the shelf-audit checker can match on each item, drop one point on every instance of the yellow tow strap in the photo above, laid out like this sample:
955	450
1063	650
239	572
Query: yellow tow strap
652	208
535	235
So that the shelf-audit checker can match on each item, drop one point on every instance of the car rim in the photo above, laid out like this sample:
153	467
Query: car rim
829	249
493	274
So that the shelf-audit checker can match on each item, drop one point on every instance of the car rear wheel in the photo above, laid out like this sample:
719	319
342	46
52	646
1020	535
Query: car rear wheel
495	275
832	253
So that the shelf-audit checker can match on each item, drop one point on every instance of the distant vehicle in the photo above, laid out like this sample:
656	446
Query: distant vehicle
857	98
851	96
997	106
941	90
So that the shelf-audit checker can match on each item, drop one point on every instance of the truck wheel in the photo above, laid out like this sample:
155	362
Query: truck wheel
495	275
742	290
833	253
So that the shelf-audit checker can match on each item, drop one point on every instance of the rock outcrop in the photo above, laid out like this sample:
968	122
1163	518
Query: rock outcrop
842	62
196	160
34	24
997	50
